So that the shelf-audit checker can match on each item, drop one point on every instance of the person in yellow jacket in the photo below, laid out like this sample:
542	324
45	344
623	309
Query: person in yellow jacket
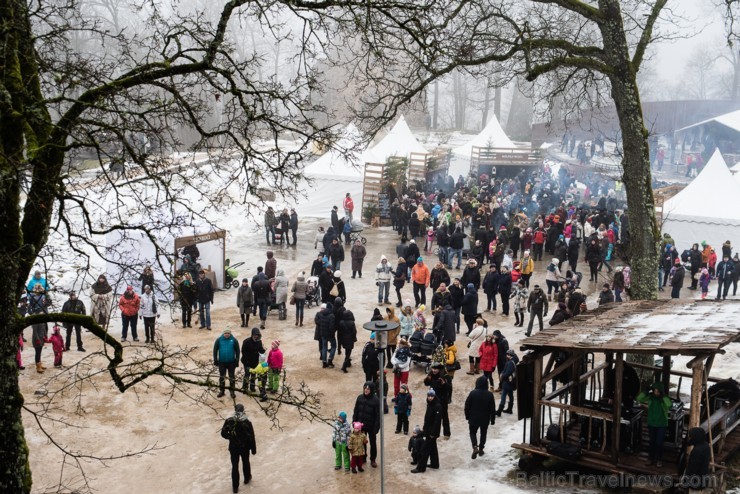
451	363
420	277
260	375
526	267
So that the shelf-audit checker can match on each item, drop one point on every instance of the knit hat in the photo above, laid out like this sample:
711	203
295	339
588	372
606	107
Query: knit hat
275	343
526	252
343	416
471	286
419	259
372	335
338	273
431	392
417	429
511	352
357	426
227	330
678	261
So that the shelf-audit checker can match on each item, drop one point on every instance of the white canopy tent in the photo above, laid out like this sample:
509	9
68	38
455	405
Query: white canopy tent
400	142
707	209
492	135
730	120
336	172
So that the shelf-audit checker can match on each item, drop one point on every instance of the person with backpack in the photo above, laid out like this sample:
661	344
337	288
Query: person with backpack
538	240
238	430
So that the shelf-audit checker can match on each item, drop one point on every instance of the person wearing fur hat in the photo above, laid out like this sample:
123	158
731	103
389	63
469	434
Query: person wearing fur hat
340	441
357	447
275	366
402	409
471	274
238	430
430	430
367	413
226	357
129	304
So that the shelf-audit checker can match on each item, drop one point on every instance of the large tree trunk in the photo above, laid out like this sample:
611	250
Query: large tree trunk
643	229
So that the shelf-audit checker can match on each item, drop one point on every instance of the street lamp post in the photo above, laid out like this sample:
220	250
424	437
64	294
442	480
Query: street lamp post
381	328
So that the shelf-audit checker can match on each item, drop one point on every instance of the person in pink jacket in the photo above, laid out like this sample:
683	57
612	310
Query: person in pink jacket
275	365
57	344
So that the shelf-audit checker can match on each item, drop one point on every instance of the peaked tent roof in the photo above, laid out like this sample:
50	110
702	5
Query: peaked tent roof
343	160
713	194
400	142
731	120
492	135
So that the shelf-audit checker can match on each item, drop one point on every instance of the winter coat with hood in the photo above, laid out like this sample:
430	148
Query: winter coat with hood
281	287
476	338
471	274
490	283
347	334
393	333
383	272
324	320
129	303
445	326
725	271
148	307
367	409
502	344
251	350
433	418
399	277
299	288
261	288
553	272
244	298
470	301
407	323
480	405
697	465
358	253
336	252
336	280
270	265
438	276
658	406
727	249
489	355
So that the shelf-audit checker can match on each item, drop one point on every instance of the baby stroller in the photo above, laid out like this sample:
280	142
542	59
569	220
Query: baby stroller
313	292
422	348
356	233
231	274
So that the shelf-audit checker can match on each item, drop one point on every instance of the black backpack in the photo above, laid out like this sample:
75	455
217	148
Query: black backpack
685	255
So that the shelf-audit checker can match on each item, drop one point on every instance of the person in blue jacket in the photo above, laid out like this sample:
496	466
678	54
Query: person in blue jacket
37	279
508	383
226	357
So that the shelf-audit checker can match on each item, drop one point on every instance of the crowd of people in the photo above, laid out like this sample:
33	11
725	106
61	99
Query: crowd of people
457	243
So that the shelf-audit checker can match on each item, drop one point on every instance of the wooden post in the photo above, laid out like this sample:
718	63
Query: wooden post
536	423
696	383
617	406
666	375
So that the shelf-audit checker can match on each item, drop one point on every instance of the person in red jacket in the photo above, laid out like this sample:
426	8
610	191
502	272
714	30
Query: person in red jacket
349	205
538	239
488	352
129	306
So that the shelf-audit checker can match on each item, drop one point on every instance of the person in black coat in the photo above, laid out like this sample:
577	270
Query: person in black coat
347	337
399	279
251	349
470	307
261	290
508	383
326	330
471	274
502	344
593	258
432	423
367	411
326	282
439	381
480	410
444	326
240	434
695	260
414	226
336	254
696	477
504	289
725	271
205	299
456	295
317	267
490	287
574	247
74	306
370	362
335	219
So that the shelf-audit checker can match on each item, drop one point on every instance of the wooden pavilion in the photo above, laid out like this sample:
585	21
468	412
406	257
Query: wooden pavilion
591	402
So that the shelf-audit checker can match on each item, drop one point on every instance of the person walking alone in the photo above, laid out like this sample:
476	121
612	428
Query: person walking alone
480	410
238	430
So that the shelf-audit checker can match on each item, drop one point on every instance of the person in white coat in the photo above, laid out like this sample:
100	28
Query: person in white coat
476	337
149	312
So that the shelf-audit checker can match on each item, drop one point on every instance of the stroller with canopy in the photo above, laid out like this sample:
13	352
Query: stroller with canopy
422	345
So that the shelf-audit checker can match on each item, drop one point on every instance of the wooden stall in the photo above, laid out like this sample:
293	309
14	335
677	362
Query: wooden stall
577	385
485	159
